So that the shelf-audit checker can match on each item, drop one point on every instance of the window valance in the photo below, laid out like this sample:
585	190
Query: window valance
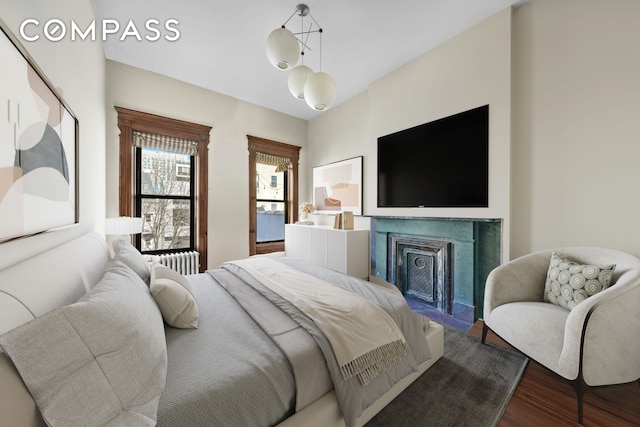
281	163
165	143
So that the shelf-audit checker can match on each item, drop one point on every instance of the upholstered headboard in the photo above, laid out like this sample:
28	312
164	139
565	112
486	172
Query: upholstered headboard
32	288
51	279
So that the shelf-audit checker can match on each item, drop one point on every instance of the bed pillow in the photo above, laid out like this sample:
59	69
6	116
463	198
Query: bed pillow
125	252
174	297
16	405
569	283
99	361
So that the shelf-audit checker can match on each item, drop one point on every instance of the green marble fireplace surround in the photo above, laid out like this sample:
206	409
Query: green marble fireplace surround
475	251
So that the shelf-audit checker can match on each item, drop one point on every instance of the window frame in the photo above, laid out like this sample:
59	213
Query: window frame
130	121
255	145
139	197
284	200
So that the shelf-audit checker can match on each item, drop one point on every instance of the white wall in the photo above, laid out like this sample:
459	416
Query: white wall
340	133
76	68
574	86
232	120
565	148
576	121
468	71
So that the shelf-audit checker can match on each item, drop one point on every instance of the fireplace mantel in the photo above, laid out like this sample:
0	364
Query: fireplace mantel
476	251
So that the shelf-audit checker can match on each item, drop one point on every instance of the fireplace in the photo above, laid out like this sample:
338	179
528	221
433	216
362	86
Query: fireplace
421	269
440	263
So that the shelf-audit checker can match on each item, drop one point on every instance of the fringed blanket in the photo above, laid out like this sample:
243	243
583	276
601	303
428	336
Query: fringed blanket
364	338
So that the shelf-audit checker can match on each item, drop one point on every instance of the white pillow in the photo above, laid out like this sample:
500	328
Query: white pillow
99	361
125	252
174	296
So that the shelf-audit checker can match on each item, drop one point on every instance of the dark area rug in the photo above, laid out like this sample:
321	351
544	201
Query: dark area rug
469	386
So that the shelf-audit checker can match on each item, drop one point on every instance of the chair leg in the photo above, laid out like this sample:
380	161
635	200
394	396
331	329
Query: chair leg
580	404
580	387
485	329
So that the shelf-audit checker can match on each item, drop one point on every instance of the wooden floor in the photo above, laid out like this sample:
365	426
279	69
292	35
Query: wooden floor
543	399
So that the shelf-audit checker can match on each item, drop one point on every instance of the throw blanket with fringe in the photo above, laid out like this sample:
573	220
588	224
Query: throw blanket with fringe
364	338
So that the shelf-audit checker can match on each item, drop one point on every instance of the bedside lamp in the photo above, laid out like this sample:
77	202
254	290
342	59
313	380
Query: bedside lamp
123	225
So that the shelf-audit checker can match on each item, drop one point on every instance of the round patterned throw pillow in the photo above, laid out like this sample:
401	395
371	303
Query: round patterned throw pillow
569	283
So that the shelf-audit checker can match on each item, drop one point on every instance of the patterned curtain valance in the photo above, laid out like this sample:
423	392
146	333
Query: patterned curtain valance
281	163
165	143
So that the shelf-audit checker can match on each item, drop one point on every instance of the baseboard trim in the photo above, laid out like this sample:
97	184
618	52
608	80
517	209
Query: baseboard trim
463	312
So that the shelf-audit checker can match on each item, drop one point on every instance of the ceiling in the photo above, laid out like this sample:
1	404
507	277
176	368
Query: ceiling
221	45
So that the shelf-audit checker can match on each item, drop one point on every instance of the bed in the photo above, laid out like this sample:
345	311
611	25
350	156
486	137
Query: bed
228	356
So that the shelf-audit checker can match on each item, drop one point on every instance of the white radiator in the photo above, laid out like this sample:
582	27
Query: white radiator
182	262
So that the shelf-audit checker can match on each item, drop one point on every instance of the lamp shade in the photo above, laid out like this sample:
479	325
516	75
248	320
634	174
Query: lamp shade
297	79
282	48
123	225
320	91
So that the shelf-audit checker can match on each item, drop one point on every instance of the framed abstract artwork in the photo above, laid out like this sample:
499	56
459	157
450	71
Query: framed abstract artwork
38	148
337	187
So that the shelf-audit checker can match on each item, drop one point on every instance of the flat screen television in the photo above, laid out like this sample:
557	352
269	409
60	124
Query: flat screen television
440	164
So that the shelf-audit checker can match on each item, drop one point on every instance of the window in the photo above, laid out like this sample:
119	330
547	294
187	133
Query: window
163	179
273	193
271	200
164	197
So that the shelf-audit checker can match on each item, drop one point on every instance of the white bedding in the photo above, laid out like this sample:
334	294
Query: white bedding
364	338
60	276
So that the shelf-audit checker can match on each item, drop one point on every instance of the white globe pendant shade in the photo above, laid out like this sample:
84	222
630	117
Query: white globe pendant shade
320	91
282	48
297	79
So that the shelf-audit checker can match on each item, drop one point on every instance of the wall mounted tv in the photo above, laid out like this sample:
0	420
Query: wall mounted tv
440	164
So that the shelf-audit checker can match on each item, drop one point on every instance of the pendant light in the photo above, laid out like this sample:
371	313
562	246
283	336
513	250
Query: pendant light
320	88
320	91
317	89
297	80
282	48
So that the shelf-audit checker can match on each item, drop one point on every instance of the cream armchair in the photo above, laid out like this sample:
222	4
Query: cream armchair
597	343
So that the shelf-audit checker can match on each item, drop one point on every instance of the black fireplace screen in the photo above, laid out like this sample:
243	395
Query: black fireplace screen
422	268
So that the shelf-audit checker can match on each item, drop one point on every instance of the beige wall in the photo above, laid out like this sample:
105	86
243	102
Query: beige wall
576	146
574	88
232	120
77	70
564	123
468	71
338	134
